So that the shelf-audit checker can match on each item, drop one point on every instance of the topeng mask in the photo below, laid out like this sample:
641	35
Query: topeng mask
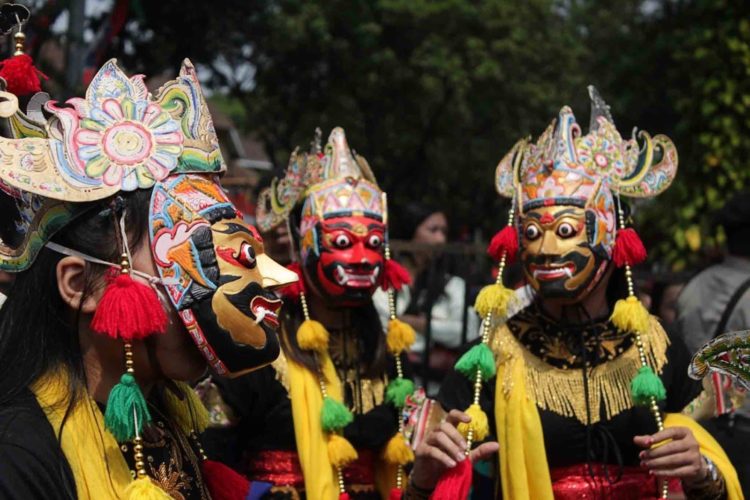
565	190
341	228
223	277
557	258
121	138
347	265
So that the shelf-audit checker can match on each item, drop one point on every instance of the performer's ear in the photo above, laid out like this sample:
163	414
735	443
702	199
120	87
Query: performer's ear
71	283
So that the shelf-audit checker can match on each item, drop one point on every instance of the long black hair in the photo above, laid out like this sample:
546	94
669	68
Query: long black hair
430	284
38	332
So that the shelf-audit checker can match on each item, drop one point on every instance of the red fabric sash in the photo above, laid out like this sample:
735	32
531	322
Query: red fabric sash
575	483
282	468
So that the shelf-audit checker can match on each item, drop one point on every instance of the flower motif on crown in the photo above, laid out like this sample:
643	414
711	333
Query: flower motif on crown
601	160
130	142
551	188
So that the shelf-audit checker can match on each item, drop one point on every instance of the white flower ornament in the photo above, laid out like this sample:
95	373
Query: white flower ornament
131	142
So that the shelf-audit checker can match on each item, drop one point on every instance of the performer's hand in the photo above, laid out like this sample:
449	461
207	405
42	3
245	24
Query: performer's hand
679	458
442	449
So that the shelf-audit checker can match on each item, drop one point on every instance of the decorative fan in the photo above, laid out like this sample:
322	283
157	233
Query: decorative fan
727	354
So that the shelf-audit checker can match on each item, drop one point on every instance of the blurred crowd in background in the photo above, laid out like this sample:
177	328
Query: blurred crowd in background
433	92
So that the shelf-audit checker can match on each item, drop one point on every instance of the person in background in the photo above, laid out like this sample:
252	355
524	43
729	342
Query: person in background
435	295
714	302
664	294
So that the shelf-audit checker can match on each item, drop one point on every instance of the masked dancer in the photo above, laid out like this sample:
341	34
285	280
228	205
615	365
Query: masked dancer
324	422
133	274
582	388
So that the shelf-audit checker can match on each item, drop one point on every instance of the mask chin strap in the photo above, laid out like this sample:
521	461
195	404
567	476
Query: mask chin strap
153	280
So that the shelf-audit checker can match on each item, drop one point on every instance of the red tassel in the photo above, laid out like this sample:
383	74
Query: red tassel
21	76
395	494
294	290
395	276
223	482
129	310
505	240
344	496
455	483
628	249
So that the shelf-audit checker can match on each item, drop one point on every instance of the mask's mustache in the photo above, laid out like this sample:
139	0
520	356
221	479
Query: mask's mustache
357	274
556	266
573	256
257	303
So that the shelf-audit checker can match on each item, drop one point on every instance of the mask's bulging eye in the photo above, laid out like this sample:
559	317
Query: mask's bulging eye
246	256
531	232
342	241
374	241
566	230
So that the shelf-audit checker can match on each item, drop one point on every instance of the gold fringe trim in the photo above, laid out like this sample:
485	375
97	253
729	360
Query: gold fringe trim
281	367
561	391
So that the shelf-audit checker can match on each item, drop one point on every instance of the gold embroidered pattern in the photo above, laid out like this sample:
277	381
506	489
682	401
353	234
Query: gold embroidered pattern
567	346
561	390
171	461
366	393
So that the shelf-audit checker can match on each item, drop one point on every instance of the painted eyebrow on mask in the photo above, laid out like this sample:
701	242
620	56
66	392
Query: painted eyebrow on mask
559	213
346	225
232	228
337	225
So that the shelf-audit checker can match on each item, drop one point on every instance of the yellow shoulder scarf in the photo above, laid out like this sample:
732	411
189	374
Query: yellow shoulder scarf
524	472
98	466
307	402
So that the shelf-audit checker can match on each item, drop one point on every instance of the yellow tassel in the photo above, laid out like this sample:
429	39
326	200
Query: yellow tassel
397	451
312	336
479	424
145	489
188	413
631	316
340	451
493	299
400	336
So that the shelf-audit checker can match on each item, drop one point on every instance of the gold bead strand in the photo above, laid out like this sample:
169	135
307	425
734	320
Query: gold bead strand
324	393
653	405
303	302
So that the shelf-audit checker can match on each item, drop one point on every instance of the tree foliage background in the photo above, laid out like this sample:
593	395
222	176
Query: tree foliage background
434	92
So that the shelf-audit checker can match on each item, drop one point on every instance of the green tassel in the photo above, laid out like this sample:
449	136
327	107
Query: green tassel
125	399
397	391
480	358
334	416
647	385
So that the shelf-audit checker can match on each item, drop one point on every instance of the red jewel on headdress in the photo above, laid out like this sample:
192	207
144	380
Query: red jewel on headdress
547	218
601	160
